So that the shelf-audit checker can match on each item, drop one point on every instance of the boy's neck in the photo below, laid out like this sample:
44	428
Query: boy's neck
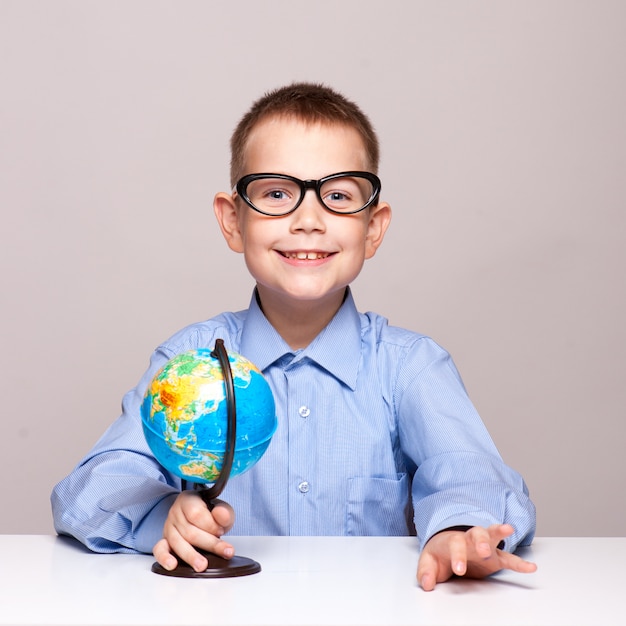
299	322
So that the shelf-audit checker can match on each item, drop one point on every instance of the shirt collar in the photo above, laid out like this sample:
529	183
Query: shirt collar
337	348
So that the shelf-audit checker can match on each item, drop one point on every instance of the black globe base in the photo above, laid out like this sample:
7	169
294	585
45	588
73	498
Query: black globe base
218	567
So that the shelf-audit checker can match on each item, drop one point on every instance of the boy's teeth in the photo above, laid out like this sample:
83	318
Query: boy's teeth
311	256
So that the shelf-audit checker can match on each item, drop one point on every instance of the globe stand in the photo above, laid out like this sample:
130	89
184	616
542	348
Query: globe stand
218	567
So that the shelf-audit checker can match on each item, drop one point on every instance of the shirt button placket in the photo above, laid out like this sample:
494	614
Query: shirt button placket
300	449
304	412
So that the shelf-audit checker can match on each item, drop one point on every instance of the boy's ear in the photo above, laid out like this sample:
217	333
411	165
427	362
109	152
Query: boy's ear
380	217
228	218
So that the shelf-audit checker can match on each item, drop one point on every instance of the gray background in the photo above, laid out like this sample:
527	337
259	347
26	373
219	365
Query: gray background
504	159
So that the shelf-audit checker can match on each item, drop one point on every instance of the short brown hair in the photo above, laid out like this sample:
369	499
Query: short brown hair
311	103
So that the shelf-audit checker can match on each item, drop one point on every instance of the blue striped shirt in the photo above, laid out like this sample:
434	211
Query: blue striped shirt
376	436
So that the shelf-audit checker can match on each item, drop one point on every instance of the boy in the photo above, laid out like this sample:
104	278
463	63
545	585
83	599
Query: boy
376	434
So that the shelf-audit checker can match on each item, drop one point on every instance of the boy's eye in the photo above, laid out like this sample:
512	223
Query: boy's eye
337	196
338	200
276	194
345	194
269	194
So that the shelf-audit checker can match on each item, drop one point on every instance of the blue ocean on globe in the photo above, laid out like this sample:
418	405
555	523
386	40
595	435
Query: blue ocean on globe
185	418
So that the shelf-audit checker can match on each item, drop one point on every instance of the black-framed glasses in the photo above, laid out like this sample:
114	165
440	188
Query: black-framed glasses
343	193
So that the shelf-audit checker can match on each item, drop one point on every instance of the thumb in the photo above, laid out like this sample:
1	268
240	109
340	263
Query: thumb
223	514
427	571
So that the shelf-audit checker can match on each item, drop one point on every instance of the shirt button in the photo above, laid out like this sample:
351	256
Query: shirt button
304	411
303	487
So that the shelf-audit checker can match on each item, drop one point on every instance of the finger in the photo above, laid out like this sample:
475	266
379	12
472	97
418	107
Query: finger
458	553
498	532
427	571
193	511
190	536
163	555
480	542
185	550
203	528
217	546
191	525
517	564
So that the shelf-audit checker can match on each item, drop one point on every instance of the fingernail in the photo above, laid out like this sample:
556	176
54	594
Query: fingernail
228	552
458	567
199	565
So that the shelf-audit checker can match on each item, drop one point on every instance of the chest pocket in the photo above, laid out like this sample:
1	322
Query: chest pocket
379	506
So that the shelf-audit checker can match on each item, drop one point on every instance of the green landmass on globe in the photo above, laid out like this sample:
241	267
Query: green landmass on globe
185	417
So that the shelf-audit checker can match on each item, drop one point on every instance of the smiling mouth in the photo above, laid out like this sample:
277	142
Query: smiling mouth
306	256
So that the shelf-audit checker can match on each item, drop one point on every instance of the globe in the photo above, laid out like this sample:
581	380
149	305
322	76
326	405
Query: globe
184	414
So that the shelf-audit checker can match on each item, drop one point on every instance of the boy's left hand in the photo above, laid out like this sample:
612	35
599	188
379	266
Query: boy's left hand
472	553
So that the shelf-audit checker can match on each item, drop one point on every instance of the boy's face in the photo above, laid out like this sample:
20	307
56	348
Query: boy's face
310	255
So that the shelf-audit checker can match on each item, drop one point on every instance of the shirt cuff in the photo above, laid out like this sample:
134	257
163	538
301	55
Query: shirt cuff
464	529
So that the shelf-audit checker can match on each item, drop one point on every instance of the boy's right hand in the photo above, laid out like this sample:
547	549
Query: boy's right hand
191	525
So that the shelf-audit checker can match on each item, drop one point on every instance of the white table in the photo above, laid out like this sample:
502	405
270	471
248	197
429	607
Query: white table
309	580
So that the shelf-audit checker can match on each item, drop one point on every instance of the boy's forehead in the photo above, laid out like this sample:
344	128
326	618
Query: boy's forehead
289	120
289	140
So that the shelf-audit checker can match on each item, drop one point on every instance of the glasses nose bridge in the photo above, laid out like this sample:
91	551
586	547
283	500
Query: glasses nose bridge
313	185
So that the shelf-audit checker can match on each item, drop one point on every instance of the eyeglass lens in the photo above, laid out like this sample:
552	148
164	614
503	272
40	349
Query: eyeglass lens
277	196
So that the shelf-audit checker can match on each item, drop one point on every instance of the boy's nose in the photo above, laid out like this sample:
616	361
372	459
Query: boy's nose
310	214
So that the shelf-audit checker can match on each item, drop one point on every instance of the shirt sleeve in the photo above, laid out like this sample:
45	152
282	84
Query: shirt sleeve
459	477
118	497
